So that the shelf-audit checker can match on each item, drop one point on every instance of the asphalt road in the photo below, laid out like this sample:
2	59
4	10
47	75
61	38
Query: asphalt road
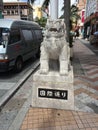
18	103
11	81
11	76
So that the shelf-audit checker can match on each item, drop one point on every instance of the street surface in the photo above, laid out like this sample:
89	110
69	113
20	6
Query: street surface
11	81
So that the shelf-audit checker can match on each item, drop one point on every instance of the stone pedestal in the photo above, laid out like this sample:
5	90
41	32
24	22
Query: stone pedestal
53	90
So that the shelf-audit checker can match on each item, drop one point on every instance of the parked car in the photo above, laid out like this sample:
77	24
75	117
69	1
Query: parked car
19	41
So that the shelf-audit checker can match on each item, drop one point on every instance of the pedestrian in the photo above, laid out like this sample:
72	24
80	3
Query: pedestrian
76	33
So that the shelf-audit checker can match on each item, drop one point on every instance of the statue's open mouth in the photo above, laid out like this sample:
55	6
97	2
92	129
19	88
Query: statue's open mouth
53	29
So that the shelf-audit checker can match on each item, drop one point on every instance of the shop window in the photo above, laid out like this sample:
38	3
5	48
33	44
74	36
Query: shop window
16	11
8	12
12	12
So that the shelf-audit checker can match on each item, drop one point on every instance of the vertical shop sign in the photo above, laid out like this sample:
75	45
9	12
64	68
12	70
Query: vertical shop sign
83	16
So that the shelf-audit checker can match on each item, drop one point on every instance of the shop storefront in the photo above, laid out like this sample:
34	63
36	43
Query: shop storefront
91	26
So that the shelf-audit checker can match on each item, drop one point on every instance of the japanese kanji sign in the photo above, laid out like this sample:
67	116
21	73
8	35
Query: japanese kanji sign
53	93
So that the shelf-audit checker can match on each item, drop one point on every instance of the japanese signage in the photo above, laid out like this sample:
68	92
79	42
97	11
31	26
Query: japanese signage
52	93
83	16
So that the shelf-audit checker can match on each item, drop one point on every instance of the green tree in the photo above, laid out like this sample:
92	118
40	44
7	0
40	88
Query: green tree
74	16
71	17
42	21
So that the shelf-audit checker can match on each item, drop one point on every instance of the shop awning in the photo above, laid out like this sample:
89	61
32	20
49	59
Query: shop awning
88	19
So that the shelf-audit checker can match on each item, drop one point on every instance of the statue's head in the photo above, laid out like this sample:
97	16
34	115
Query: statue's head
55	25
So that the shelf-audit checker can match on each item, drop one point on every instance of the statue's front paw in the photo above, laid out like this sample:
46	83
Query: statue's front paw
43	71
63	72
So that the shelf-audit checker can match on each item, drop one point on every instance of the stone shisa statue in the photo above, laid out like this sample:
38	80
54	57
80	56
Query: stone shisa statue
55	47
54	88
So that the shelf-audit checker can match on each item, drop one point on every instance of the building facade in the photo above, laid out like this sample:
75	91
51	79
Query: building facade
81	12
1	8
81	6
91	7
37	12
91	18
18	10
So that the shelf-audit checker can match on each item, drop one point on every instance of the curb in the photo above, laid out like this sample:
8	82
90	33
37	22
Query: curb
12	91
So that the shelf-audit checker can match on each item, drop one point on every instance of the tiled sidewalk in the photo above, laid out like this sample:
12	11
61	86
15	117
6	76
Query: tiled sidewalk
86	87
86	83
52	119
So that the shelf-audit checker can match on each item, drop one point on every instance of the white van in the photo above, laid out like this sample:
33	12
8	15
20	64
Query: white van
19	41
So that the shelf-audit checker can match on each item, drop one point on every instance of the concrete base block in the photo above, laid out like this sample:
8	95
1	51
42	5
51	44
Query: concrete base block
53	91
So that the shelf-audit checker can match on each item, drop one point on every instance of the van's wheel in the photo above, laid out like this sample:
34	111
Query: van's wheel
18	64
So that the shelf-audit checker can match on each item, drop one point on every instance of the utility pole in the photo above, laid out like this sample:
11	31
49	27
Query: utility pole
67	18
67	23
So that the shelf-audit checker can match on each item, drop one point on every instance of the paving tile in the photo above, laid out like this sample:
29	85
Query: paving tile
64	128
94	128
